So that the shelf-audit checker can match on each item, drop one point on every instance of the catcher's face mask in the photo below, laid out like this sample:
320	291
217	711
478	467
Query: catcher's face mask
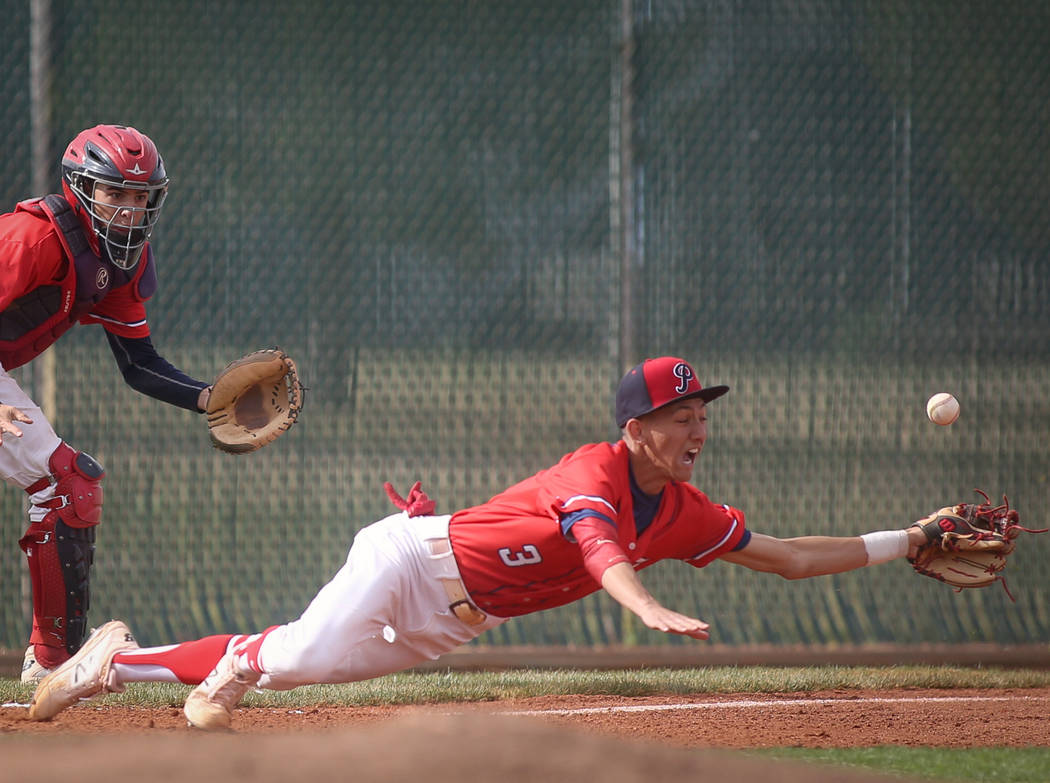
122	217
115	166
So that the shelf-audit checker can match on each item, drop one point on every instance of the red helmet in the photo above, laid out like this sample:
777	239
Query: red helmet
121	157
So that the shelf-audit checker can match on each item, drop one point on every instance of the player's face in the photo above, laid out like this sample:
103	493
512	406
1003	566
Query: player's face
673	438
120	206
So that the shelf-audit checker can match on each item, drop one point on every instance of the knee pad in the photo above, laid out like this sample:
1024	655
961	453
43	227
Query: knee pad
61	547
77	479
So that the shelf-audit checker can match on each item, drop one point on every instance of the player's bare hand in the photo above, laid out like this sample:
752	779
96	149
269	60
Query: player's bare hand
621	582
9	414
660	618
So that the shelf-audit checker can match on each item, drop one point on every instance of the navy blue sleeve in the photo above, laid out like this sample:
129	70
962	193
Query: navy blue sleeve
569	520
145	371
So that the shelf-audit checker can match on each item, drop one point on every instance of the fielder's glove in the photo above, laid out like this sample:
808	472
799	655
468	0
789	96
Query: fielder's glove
254	401
969	543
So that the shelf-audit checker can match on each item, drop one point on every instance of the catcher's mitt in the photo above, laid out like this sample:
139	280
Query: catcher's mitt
969	543
254	401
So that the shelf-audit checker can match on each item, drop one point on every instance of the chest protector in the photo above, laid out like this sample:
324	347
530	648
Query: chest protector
31	323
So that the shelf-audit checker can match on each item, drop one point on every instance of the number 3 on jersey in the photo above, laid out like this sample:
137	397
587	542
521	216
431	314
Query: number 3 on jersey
529	555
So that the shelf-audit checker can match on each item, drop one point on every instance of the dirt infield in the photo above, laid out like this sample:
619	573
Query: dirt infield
524	740
414	747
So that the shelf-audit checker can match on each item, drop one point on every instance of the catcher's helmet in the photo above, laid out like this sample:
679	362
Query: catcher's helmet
121	157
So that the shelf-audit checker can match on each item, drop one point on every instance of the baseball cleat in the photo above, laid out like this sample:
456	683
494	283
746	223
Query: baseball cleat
85	674
31	670
211	704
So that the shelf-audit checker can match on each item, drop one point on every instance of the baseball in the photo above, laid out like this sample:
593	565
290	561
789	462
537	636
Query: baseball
942	409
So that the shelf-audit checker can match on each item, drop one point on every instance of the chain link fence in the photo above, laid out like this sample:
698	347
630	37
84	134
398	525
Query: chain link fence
466	219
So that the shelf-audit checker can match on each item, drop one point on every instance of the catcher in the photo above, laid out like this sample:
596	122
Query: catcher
417	584
83	256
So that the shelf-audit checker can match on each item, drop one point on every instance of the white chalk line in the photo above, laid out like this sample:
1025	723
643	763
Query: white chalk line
766	703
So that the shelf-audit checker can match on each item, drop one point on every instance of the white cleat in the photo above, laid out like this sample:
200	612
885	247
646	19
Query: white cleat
210	705
31	670
85	674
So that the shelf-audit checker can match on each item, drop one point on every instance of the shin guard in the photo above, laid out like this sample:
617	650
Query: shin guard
60	549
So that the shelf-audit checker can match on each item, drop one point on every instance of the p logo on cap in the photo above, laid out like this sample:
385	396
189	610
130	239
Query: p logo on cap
658	382
685	374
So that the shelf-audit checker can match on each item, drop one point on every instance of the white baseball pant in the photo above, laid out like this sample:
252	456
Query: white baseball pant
384	611
25	460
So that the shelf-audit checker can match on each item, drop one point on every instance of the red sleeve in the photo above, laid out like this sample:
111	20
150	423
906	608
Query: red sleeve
597	540
725	522
30	256
593	478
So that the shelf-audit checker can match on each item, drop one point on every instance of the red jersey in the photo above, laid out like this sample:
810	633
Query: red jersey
41	295
514	558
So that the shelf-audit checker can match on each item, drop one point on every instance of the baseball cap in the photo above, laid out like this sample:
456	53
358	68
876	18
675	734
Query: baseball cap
658	382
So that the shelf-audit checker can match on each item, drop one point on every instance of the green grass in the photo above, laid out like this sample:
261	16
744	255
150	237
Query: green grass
443	687
959	765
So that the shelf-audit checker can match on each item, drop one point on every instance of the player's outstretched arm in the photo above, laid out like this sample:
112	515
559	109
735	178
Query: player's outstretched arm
622	583
806	556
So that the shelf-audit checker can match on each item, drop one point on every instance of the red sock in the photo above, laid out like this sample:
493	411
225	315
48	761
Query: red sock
189	662
250	651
